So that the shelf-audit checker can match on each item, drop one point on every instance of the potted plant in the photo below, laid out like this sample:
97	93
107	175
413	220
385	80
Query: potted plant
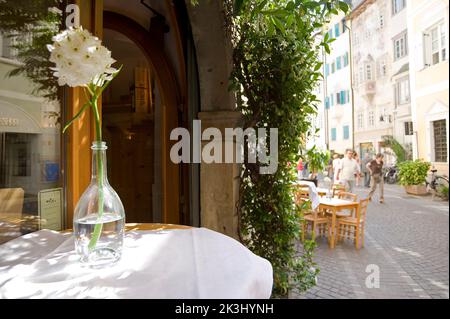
317	161
412	176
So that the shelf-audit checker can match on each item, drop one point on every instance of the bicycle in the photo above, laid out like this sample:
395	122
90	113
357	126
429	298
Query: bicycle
437	184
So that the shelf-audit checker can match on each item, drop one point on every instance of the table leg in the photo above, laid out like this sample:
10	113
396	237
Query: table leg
333	228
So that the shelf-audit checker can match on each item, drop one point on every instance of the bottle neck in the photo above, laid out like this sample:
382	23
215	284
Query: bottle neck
99	168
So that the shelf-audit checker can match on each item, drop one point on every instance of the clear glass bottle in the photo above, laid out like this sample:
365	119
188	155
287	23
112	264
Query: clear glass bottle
99	217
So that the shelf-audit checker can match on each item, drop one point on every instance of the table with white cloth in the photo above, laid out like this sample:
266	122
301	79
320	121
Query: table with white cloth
165	263
312	189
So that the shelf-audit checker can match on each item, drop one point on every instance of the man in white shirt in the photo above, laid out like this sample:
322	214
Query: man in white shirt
348	170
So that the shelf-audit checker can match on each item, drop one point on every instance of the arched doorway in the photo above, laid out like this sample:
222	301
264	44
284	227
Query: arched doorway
160	121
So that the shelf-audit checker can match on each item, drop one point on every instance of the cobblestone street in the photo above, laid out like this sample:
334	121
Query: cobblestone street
407	237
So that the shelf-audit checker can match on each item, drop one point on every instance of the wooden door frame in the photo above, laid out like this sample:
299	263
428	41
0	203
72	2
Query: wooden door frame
153	49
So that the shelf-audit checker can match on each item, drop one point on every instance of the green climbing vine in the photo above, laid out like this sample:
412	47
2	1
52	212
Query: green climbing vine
276	70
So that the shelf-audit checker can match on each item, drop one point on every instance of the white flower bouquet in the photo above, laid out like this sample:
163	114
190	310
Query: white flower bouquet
82	61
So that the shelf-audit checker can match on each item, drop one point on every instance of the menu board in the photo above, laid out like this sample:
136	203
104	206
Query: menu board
50	208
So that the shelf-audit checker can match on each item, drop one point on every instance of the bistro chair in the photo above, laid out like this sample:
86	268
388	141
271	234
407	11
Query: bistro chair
353	227
314	219
301	194
337	188
346	196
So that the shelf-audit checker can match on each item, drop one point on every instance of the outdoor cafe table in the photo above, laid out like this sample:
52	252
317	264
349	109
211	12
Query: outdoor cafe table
333	205
158	261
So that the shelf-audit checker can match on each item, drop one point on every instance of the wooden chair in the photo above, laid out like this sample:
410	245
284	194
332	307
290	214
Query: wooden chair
11	203
301	194
315	219
353	227
337	188
346	196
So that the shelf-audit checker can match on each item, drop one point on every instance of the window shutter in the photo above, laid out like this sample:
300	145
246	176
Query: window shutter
426	51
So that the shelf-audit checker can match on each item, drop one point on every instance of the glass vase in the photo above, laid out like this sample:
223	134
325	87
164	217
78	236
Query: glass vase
99	217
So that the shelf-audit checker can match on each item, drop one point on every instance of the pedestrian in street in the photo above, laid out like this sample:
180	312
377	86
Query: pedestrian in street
348	171
336	165
300	169
330	168
358	175
375	168
367	159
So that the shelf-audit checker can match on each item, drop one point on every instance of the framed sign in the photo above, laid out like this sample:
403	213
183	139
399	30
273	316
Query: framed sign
50	208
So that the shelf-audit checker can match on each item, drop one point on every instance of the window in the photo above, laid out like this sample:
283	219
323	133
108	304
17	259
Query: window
368	72
332	99
333	134
327	102
337	30
346	132
371	118
333	67
400	46
435	45
440	141
327	69
343	25
402	91
408	128
345	57
338	63
342	97
398	5
360	120
348	96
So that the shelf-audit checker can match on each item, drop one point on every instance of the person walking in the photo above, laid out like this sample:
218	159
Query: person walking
365	170
336	165
300	169
358	175
348	171
375	168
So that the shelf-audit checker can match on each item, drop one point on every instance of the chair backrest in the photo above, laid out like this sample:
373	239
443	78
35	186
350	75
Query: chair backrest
11	202
337	188
348	196
362	210
301	193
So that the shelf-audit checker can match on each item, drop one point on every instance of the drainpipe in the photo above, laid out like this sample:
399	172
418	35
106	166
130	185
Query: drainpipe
350	64
325	94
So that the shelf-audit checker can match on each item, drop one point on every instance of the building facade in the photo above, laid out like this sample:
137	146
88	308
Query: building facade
336	88
380	76
428	23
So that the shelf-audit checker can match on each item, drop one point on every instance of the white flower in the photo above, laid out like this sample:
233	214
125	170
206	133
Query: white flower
80	58
55	10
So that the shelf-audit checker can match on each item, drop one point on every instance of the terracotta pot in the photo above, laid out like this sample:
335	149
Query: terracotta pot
416	189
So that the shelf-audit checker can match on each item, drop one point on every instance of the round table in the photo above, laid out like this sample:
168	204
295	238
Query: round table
158	261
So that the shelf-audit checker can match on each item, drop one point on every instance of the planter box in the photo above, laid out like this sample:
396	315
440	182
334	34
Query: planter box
416	189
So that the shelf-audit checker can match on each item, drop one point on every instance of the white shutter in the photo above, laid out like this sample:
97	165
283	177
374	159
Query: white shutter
426	50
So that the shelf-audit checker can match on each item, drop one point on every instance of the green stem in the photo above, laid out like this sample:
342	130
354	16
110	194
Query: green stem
98	131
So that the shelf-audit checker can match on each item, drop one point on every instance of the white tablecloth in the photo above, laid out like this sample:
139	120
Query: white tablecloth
313	194
188	263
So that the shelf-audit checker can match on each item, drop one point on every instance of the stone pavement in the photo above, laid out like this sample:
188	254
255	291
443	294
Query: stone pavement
407	240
